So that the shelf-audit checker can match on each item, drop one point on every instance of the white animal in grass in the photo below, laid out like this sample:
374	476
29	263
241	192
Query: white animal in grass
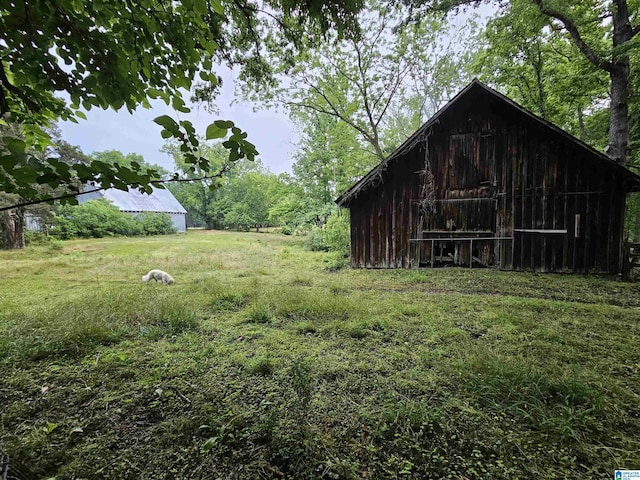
158	276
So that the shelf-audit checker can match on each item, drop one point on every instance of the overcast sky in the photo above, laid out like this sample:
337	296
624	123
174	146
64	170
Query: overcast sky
271	131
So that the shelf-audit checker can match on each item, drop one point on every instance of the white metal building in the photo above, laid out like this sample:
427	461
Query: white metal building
133	202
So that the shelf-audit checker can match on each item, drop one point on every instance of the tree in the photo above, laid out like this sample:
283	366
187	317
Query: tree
12	219
197	194
540	68
329	158
602	31
244	198
363	80
122	54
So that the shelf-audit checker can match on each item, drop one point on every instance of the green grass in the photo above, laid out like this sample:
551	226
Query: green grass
264	361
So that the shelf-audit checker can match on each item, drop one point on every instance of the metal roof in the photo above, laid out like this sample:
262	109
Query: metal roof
160	200
475	86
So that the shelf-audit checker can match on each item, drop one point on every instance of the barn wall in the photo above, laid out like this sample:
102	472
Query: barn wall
497	173
383	220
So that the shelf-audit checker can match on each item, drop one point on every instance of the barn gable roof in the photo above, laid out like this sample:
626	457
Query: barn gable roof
473	88
160	200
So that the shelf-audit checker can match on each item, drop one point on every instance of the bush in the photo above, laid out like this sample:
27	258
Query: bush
33	237
155	223
100	218
335	236
315	240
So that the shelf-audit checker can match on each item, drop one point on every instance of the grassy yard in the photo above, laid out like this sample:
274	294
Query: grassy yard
261	363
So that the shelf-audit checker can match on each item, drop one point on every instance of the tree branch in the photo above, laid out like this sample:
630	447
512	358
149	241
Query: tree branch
335	114
570	26
247	17
222	171
4	106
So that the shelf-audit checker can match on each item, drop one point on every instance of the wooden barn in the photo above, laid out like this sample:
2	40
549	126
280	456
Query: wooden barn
486	183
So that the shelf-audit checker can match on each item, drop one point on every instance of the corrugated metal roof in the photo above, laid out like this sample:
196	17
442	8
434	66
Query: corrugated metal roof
160	200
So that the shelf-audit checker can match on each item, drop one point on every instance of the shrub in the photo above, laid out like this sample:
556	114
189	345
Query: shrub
33	237
95	218
155	223
335	236
315	240
99	218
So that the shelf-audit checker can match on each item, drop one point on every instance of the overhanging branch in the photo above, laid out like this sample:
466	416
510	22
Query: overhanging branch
222	171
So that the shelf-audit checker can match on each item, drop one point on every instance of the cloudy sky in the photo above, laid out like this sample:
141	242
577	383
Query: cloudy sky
271	131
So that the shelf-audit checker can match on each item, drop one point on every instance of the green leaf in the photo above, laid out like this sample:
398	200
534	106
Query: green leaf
179	105
50	427
167	122
217	7
14	145
200	6
209	444
214	131
226	124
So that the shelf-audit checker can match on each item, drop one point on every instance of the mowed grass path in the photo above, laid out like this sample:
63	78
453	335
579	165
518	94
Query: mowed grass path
261	363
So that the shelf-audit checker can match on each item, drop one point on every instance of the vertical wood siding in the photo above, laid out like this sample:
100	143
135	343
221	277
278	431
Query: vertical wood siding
495	171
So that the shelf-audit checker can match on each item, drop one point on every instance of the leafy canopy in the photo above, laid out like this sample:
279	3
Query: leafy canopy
121	54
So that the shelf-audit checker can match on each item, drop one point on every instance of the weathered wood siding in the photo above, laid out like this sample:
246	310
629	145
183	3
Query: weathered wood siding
496	173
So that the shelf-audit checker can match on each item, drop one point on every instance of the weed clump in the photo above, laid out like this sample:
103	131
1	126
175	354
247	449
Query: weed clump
178	321
258	314
229	302
263	365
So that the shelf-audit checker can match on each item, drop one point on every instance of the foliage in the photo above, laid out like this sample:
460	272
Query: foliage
247	196
121	54
357	374
197	195
99	218
364	81
113	157
154	223
243	200
334	236
329	157
540	68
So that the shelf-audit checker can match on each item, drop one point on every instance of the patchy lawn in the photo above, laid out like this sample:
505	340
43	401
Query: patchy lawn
260	362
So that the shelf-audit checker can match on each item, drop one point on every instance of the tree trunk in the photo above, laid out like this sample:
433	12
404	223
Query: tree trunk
619	75
583	127
618	69
619	110
12	228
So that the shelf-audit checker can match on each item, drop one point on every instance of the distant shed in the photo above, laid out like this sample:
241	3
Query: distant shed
133	202
487	183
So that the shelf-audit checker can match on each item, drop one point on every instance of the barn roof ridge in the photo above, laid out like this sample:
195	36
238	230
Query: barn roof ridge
419	134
